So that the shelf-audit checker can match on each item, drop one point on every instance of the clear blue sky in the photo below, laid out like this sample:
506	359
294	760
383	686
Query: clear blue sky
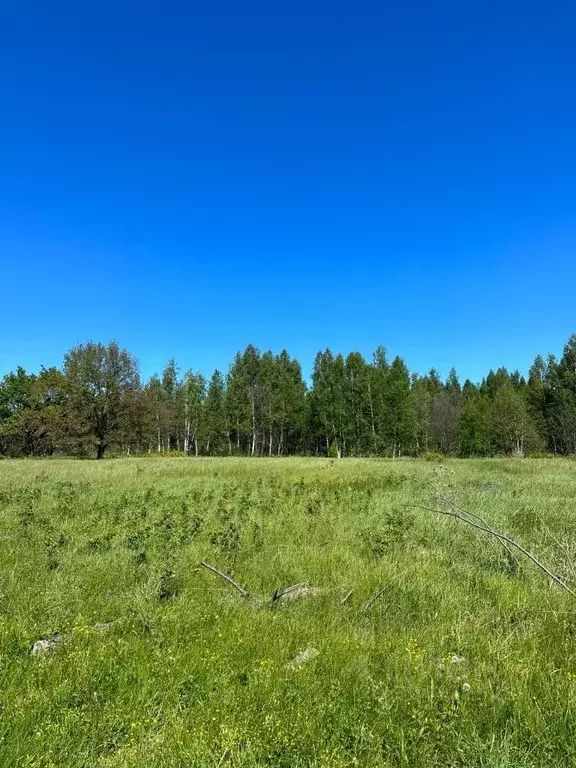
190	177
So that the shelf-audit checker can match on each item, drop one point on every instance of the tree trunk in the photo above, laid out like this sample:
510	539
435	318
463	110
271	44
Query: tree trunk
253	448
100	450
186	427
373	425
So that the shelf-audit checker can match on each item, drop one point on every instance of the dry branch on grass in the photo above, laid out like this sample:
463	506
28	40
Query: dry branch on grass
467	517
347	596
226	578
292	592
373	599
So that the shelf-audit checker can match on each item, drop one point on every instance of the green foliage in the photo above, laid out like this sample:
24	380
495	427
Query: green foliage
434	456
334	450
99	381
227	541
167	585
392	533
97	406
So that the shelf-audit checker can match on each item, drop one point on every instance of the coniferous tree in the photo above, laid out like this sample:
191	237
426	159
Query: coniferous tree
399	409
565	403
323	401
169	395
245	400
263	408
216	432
357	404
377	384
288	398
536	400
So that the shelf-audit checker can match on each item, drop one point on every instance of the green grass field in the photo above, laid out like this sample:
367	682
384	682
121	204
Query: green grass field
465	659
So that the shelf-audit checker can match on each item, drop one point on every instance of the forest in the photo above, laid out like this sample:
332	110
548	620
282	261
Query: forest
96	404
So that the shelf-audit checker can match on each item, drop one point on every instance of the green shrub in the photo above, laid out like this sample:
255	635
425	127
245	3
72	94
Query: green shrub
434	456
334	450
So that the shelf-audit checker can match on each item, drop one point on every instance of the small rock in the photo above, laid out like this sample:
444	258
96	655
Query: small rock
47	644
455	659
304	656
103	626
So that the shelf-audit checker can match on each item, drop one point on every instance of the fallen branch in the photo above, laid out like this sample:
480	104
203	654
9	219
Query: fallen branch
561	547
466	513
227	578
373	599
501	537
346	596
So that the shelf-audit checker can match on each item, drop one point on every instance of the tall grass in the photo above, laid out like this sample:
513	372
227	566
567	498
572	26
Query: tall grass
461	661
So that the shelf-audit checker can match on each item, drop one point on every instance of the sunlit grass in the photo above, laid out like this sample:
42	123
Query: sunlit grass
459	662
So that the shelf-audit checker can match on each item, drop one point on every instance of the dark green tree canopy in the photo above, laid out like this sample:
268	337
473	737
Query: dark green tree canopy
98	379
263	407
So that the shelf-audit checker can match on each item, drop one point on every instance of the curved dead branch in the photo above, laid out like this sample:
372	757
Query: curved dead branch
227	578
501	537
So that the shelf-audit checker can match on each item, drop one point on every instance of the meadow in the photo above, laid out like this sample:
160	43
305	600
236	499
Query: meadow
410	638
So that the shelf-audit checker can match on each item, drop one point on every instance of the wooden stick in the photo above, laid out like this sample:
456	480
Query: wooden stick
560	546
345	599
227	578
507	539
373	599
451	503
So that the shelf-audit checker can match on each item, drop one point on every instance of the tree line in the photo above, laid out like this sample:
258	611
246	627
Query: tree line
96	403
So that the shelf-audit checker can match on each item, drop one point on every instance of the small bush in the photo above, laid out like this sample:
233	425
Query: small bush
334	450
434	456
227	540
167	586
390	534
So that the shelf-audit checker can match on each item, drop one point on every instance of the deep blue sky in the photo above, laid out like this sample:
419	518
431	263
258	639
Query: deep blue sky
188	178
